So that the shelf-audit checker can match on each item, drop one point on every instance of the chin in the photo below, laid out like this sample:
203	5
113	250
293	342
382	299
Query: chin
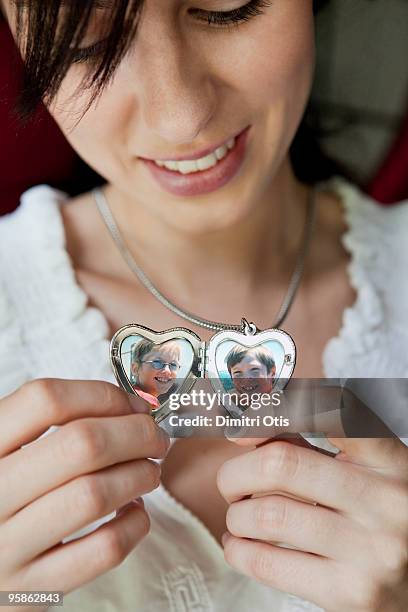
215	212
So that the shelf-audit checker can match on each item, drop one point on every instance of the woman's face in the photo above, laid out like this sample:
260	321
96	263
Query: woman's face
158	369
186	86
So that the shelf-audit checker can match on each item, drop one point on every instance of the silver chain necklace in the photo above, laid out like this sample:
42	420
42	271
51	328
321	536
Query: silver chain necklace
248	328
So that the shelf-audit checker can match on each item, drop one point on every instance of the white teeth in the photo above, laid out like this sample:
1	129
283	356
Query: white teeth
185	167
221	152
189	166
171	165
207	162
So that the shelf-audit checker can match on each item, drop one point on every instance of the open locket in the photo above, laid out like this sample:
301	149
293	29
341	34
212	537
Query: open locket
158	365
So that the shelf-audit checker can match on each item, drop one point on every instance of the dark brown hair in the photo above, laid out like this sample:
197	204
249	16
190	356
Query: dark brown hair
51	44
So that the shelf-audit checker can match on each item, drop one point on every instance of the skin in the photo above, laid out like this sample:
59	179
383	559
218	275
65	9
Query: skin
89	466
166	101
147	375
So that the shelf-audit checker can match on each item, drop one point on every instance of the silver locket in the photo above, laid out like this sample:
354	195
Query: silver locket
158	364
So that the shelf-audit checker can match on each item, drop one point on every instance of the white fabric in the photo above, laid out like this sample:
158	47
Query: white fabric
47	330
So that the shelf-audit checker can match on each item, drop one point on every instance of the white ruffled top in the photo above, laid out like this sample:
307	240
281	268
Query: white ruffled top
48	330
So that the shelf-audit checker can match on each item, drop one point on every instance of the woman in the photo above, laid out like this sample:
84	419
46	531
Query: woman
188	85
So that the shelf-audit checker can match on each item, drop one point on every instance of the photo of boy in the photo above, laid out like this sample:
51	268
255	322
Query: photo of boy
252	370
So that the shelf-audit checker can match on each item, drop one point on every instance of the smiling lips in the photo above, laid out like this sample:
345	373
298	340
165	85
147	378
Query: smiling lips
202	163
162	380
202	175
248	388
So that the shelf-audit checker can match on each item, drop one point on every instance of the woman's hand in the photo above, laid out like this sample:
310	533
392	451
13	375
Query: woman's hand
353	546
96	462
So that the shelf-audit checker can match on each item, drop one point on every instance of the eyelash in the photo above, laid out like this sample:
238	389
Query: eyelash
224	19
234	17
89	53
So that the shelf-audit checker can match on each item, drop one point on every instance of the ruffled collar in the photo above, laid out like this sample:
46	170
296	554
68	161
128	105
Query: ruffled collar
351	352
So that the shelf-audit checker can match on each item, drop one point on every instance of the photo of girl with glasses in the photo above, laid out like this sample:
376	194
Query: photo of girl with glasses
154	368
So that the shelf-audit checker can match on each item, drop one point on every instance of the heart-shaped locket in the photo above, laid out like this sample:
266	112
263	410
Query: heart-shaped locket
157	365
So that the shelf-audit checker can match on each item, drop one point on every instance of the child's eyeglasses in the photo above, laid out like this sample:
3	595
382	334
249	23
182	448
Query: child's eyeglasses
158	364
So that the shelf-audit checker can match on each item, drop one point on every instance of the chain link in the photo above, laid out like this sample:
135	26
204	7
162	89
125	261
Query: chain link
289	297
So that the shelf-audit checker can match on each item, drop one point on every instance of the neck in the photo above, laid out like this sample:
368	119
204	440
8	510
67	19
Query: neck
256	249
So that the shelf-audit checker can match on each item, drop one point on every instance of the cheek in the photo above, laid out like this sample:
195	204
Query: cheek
280	71
278	63
142	375
98	135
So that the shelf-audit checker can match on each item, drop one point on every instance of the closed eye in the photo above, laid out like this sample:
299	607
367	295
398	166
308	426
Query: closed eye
212	18
91	52
233	17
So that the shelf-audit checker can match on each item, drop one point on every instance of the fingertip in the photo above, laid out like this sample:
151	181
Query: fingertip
232	433
225	537
138	405
246	441
137	502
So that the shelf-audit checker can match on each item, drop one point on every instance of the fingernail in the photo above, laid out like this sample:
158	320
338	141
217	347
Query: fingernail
138	405
231	439
134	502
233	433
225	537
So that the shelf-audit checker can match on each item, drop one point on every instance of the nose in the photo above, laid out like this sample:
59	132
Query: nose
175	89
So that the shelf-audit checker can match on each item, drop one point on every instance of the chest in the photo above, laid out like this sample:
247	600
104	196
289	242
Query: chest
190	468
315	317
